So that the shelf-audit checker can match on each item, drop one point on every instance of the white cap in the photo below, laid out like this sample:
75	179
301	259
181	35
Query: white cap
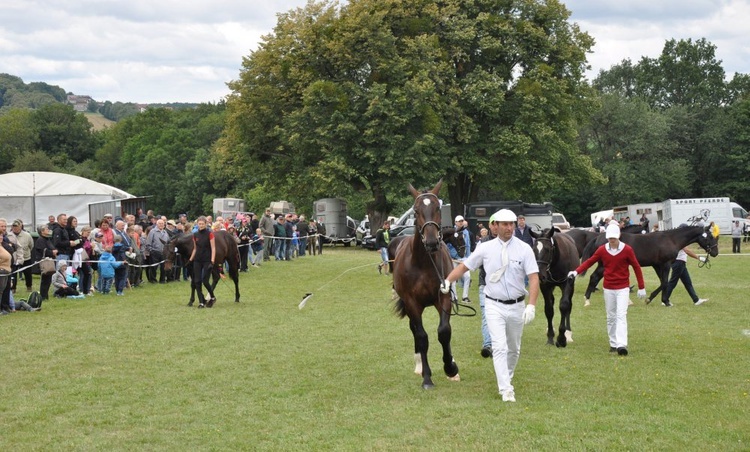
458	218
505	215
613	232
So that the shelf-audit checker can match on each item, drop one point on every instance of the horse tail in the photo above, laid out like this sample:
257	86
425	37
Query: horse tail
589	250
399	308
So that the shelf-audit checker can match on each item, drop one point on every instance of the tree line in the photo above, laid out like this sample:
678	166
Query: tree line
358	100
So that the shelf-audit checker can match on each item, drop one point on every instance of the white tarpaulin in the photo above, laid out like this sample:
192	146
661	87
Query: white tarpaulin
34	195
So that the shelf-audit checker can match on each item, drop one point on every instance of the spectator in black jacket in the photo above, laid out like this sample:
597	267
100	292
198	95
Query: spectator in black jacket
60	238
43	247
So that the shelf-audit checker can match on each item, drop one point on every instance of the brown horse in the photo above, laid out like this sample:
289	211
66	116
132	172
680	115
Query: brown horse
226	251
448	234
421	265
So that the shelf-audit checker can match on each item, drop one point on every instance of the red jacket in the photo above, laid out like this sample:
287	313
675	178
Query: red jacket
616	273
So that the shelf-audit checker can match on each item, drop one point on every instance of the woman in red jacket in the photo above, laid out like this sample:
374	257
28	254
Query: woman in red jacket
616	256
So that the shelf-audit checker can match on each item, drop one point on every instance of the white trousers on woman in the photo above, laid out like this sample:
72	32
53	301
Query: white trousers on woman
505	323
616	303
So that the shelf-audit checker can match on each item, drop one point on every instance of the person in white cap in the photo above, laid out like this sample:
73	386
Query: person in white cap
507	261
616	256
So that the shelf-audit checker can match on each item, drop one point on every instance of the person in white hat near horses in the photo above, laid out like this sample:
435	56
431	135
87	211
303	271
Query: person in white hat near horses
616	257
507	261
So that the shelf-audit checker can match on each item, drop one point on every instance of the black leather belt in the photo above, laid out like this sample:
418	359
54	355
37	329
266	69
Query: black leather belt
517	300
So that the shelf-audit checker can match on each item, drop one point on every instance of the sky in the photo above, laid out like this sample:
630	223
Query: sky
158	51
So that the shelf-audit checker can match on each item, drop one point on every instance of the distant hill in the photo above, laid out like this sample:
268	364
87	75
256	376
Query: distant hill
14	93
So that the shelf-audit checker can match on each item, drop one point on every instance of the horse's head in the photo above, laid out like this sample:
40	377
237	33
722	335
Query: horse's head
708	242
169	255
545	251
427	216
454	238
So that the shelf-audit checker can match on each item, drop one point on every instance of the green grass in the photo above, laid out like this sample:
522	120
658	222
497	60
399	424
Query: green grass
144	372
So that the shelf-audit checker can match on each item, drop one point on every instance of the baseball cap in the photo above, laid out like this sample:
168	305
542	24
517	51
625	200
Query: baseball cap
613	232
458	218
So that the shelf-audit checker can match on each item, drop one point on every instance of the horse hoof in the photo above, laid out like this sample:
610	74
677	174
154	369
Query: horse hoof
454	378
569	336
190	305
561	344
427	385
586	302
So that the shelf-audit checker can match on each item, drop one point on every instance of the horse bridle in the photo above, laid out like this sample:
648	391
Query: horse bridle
427	223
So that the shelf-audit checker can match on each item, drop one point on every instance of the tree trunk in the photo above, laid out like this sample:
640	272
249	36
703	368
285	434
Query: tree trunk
461	191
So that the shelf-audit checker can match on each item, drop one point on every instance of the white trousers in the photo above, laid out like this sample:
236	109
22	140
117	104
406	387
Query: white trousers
505	323
616	303
465	282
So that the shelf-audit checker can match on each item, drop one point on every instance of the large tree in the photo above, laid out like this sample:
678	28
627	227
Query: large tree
376	94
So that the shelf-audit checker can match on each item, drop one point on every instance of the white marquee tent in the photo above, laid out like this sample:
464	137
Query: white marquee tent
34	195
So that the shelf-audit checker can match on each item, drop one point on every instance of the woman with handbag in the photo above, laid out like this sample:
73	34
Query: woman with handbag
43	248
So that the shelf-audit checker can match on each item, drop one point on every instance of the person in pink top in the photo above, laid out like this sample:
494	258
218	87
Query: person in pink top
616	257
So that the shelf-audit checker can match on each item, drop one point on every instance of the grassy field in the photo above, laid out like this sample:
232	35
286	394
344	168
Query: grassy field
98	120
145	372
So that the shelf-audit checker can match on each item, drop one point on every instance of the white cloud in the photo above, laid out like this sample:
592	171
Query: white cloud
186	51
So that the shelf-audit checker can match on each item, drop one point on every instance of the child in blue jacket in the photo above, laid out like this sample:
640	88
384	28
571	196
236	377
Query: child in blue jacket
107	266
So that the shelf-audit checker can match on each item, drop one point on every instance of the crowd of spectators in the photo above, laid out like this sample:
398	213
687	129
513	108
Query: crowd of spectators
120	252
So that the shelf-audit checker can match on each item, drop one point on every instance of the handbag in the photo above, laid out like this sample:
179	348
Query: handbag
47	266
84	255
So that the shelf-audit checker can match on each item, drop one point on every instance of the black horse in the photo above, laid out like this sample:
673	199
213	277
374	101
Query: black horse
226	251
581	238
421	265
657	250
556	256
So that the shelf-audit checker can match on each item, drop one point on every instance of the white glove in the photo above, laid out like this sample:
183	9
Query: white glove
702	258
641	293
572	274
529	313
445	287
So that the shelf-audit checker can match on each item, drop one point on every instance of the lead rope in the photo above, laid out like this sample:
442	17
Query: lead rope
455	304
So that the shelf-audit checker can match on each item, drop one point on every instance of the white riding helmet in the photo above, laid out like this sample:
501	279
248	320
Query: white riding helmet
503	215
613	232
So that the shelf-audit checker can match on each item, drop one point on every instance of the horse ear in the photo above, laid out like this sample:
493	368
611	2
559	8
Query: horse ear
413	191
533	233
435	191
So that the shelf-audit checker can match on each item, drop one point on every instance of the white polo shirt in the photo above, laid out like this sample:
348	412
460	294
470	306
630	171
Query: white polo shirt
521	262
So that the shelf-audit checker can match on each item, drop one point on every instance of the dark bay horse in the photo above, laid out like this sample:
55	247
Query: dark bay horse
581	237
421	265
556	255
448	235
226	251
657	250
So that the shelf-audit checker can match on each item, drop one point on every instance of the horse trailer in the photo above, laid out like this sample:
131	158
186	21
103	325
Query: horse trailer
538	216
636	211
228	207
281	207
721	211
332	214
117	207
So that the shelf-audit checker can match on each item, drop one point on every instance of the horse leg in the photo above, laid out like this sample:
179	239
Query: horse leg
594	279
549	310
235	275
421	345
565	334
660	270
444	336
